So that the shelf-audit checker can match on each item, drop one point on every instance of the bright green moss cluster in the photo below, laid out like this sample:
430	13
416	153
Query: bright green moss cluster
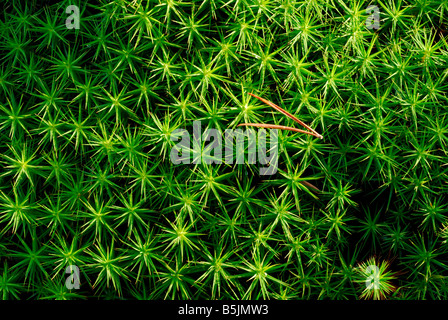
86	125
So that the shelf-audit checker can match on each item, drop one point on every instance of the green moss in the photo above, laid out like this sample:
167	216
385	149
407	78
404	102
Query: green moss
86	123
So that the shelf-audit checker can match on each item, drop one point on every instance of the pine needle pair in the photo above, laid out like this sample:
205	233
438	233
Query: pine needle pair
311	131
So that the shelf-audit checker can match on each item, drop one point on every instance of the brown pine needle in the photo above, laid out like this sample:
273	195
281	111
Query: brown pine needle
274	126
286	113
310	185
